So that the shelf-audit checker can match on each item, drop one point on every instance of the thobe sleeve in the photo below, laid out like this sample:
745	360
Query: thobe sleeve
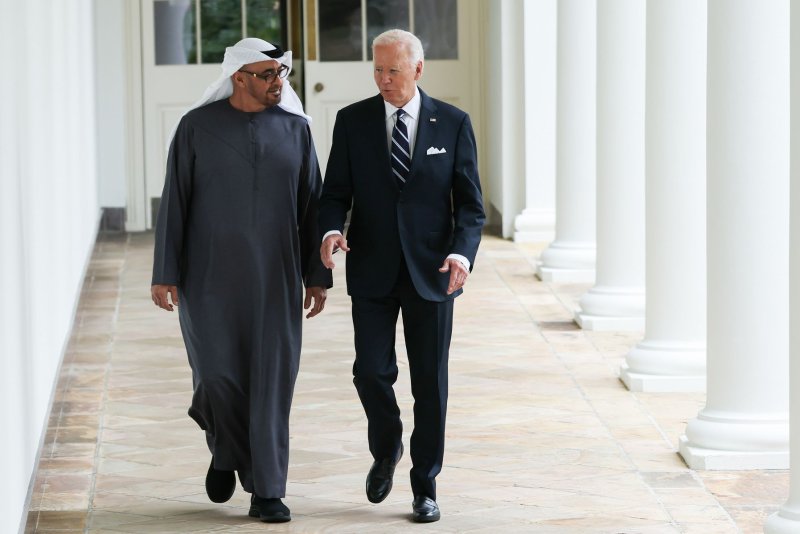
315	274
174	207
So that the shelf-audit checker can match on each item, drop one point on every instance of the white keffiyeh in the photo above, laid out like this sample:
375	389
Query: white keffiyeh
246	51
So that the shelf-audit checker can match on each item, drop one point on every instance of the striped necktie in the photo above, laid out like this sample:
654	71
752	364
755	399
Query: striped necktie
401	153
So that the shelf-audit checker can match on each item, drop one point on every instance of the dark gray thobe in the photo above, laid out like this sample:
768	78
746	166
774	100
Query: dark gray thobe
237	234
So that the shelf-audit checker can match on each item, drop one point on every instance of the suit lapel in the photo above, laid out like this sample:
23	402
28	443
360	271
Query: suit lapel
426	130
376	130
426	133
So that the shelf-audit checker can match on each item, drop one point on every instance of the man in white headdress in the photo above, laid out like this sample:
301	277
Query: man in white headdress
236	242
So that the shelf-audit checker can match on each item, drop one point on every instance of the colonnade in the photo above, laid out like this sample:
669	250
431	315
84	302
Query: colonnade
672	180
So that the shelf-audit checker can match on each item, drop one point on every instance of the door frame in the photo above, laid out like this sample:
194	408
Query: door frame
135	209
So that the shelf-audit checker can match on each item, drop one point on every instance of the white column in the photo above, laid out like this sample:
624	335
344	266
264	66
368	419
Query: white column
787	519
537	221
570	257
616	302
672	355
744	424
505	132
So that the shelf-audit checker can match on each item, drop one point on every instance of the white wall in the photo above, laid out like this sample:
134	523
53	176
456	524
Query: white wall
110	89
48	216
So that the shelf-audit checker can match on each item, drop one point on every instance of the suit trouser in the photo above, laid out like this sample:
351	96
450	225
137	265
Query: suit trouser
428	327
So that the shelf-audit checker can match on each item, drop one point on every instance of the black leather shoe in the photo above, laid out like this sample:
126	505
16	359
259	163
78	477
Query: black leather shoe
425	510
220	485
379	478
269	510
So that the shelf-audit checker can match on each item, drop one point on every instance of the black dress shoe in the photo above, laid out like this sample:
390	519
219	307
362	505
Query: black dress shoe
425	510
220	485
379	478
269	510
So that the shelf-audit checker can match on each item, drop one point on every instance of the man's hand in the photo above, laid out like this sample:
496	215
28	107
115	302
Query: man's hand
159	294
458	274
330	246
319	294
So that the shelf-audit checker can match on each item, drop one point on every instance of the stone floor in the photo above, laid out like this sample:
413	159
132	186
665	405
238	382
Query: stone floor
542	436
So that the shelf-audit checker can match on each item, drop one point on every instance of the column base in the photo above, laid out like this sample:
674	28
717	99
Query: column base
665	366
562	276
600	323
567	262
784	521
722	440
535	226
649	383
716	460
605	308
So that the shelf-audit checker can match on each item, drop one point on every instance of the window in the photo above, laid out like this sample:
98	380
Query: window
343	36
197	31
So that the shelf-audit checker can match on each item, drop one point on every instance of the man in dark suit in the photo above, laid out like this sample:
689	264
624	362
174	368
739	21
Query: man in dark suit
406	165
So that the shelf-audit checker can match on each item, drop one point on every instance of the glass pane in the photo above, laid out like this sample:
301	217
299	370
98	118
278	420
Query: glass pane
265	21
436	25
340	30
384	15
220	27
174	29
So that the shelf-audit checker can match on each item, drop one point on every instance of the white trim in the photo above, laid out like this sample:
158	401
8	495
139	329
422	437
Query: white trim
136	209
243	9
198	34
364	53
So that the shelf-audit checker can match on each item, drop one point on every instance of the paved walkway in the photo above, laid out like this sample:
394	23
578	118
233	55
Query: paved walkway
542	436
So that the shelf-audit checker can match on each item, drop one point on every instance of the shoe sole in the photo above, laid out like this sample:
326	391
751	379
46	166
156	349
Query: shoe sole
219	499
426	519
256	514
376	501
275	519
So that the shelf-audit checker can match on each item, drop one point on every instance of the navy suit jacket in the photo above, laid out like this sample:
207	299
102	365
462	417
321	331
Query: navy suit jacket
438	212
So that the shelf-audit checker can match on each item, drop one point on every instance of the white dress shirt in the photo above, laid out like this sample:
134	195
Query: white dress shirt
410	119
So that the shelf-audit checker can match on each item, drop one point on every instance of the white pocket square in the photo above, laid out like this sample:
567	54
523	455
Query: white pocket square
434	150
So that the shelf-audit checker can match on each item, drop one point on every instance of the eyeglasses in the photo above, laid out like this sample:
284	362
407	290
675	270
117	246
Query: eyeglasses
270	75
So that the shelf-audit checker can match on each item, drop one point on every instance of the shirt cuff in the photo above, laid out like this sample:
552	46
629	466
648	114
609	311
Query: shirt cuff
331	232
464	261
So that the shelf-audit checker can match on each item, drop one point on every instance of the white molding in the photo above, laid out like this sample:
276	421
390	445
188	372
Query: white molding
605	308
535	226
784	521
567	261
480	91
698	458
601	323
650	383
136	208
665	365
564	276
